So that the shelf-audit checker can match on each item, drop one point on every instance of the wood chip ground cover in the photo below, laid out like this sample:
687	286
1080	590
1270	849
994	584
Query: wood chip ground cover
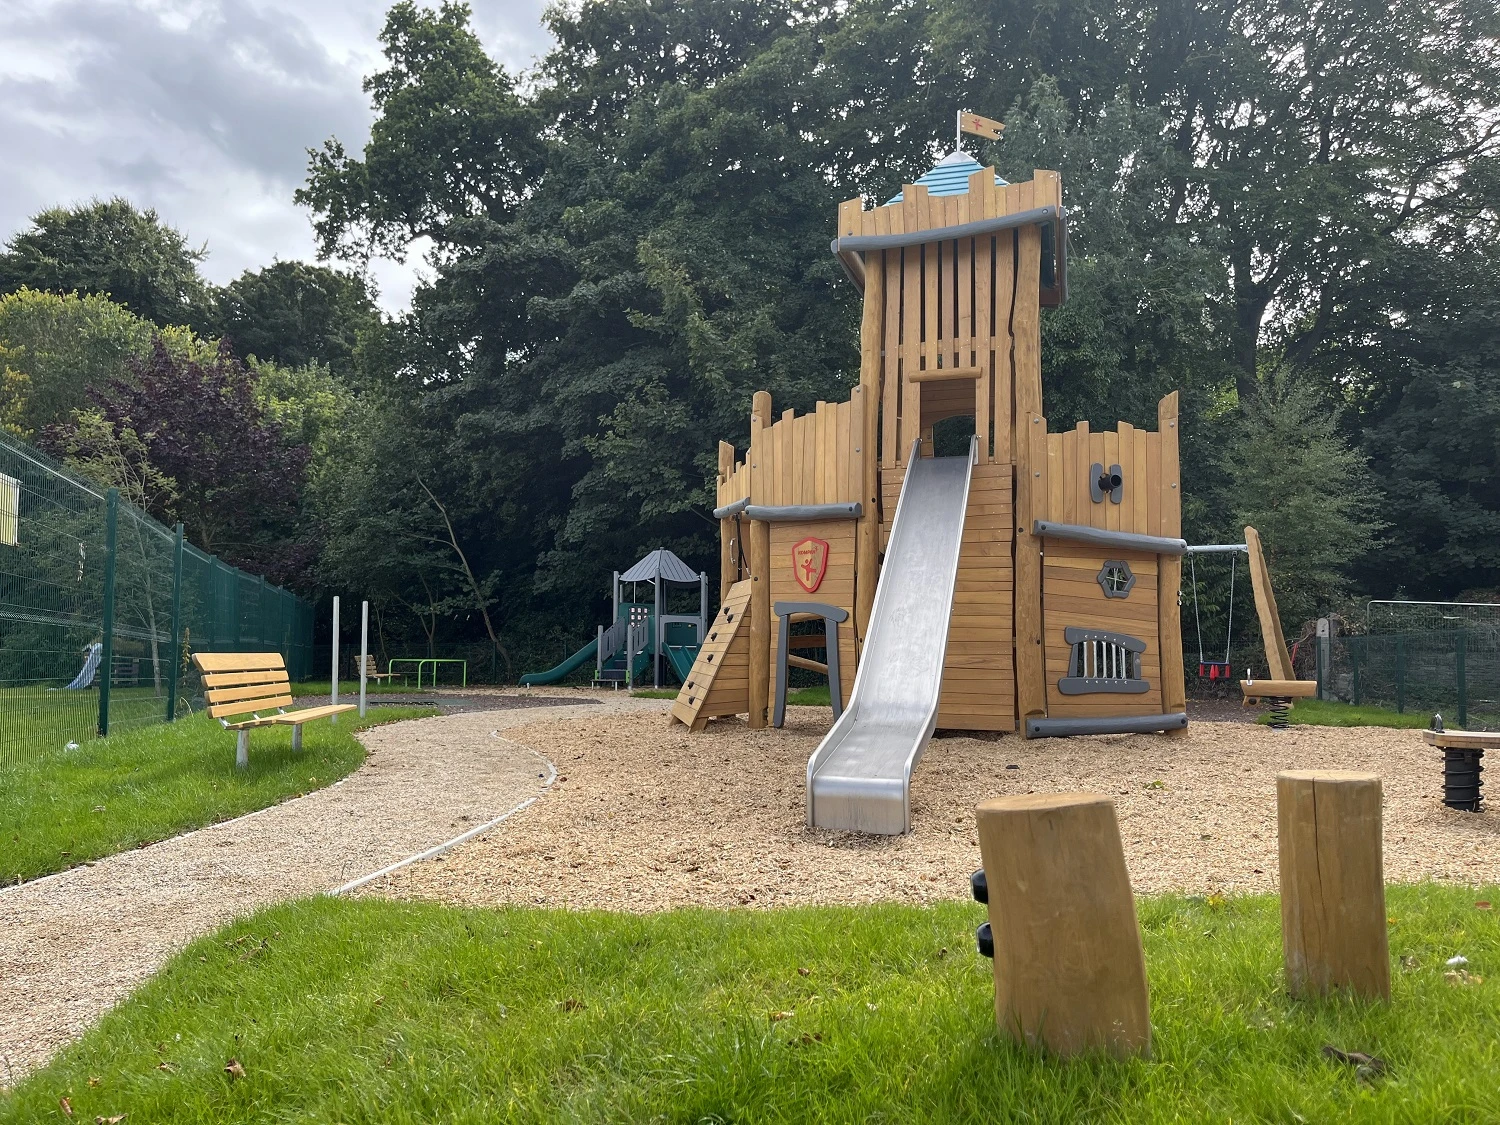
646	816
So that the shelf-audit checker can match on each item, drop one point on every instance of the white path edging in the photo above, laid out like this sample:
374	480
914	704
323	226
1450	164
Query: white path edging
439	849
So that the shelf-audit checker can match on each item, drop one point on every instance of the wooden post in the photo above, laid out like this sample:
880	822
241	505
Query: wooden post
1070	974
1031	672
760	569
1277	657
1169	567
729	550
867	395
1333	924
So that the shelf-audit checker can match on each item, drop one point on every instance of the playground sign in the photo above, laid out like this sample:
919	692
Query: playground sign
810	563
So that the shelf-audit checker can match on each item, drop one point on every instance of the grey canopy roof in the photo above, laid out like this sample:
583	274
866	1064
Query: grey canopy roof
660	563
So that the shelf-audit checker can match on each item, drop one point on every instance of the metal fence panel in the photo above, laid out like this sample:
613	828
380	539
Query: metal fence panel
100	611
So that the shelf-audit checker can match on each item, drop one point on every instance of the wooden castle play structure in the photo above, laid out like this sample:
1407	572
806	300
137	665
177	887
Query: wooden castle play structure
1029	585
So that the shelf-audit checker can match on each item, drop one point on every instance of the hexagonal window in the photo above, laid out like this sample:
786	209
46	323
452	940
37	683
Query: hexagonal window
1116	579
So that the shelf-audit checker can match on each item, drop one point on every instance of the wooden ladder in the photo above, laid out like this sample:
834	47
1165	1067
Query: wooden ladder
719	683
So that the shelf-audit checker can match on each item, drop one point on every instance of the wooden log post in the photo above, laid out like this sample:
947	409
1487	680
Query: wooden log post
760	568
729	549
1333	923
1070	974
1169	567
1031	671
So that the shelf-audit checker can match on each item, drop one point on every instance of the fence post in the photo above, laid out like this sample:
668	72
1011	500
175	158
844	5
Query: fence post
107	654
1400	674
1355	645
1460	660
1324	662
176	650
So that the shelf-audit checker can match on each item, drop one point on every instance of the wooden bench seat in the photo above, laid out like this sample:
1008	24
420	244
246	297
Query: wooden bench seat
247	683
372	670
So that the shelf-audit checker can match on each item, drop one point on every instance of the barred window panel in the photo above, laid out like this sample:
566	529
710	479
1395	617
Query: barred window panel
1103	662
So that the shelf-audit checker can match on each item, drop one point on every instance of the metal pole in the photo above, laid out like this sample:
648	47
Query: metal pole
1460	660
1400	675
107	653
176	649
364	651
614	599
333	695
1218	549
656	628
702	605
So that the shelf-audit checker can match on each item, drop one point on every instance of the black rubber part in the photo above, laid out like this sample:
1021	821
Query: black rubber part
986	941
979	886
1461	781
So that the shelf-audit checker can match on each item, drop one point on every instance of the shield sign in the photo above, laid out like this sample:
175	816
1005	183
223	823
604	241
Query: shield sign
810	563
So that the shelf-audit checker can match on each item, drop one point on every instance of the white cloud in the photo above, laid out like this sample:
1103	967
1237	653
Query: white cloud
202	109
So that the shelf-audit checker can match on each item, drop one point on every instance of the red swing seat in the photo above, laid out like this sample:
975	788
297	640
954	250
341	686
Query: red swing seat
1215	670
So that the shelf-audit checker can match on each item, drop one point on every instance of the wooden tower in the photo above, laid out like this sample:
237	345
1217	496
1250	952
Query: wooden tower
1065	612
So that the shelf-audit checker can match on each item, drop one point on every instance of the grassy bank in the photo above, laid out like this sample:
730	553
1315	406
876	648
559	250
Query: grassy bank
67	807
372	1011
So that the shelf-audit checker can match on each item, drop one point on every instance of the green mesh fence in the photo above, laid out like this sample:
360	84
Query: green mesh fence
101	608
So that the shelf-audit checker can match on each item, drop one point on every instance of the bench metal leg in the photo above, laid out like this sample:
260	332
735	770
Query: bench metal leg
242	749
297	737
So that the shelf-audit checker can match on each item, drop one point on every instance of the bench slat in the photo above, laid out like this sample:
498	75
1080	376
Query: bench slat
308	714
237	661
252	691
244	707
235	679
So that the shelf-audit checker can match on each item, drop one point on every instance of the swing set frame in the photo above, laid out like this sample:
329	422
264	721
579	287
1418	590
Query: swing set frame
1216	669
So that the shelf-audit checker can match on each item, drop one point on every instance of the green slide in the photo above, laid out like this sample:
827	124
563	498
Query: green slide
571	664
682	657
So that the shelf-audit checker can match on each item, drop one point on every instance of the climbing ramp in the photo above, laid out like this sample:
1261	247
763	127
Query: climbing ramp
719	682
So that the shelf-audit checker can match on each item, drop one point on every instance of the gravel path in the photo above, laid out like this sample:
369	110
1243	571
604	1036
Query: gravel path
74	944
646	817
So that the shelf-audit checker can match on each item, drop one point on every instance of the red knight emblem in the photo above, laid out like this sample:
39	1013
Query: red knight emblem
810	563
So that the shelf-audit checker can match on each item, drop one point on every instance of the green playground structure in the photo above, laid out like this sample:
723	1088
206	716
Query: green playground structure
642	640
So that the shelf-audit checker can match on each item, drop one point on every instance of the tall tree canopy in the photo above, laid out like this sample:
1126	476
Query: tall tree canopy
294	314
629	245
108	247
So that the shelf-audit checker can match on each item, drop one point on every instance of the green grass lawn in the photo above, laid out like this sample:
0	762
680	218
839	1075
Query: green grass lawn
62	808
375	1011
1323	713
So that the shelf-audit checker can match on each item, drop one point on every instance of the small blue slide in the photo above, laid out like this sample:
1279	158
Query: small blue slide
85	677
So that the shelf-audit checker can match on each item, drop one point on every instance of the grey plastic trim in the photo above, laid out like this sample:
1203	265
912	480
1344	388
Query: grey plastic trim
1121	540
1082	685
1073	635
788	513
1119	724
729	511
863	243
832	616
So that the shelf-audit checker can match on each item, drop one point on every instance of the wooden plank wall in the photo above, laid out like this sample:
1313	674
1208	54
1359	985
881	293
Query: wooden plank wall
979	666
1070	456
1073	596
946	304
837	587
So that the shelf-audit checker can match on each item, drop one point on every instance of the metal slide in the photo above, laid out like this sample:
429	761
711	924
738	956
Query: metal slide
859	778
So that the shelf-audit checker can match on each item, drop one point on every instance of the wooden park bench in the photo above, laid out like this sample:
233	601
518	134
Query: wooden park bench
247	683
372	670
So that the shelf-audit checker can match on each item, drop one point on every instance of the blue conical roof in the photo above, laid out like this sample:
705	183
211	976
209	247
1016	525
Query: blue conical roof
949	176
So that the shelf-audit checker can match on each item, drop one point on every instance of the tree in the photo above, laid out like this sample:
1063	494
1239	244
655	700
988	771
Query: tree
1295	479
111	249
235	478
296	314
452	141
57	347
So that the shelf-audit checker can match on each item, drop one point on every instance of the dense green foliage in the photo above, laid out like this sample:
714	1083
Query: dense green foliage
384	1011
65	808
1288	213
110	249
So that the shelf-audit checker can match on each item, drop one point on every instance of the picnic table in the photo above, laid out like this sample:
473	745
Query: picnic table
424	661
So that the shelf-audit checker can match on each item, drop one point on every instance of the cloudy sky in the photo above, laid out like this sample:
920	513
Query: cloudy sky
202	109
